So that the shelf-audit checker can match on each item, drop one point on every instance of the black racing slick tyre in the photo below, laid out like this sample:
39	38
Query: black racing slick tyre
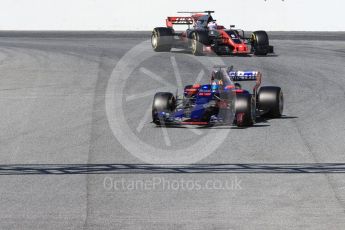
198	40
245	110
260	42
271	101
162	102
162	39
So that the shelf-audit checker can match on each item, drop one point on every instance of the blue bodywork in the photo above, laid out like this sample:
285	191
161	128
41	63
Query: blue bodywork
201	102
210	102
202	98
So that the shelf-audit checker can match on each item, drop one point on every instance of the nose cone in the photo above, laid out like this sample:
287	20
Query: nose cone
241	48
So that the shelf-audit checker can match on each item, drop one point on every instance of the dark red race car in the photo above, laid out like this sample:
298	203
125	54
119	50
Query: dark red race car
204	35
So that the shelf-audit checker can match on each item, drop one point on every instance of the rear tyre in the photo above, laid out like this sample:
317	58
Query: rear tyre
245	110
260	42
198	40
162	39
271	101
162	102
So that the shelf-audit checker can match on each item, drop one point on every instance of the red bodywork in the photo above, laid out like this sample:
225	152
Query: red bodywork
171	21
178	20
238	48
235	48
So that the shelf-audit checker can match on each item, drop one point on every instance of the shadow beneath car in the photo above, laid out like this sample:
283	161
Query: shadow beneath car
222	55
250	55
181	52
256	125
268	55
250	168
261	122
265	119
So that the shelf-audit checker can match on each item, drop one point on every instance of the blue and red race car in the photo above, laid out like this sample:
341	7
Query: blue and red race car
205	35
223	101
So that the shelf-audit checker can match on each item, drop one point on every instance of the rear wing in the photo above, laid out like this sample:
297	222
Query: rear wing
247	76
170	21
244	75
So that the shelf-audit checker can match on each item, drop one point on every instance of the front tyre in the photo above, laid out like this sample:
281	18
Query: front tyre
271	101
162	102
260	43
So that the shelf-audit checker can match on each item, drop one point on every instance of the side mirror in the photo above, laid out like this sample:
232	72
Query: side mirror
230	68
232	26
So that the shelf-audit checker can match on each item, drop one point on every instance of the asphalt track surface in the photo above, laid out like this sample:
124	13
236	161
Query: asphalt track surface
64	167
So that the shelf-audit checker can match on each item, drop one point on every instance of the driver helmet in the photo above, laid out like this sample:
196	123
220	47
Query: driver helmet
212	25
216	79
